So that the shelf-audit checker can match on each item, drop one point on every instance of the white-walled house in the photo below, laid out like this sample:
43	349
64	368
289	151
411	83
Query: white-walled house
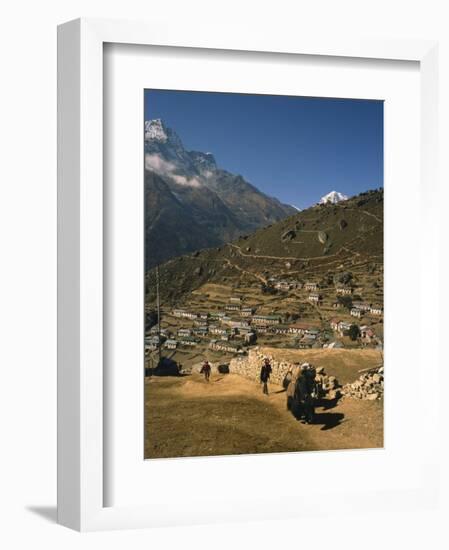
356	312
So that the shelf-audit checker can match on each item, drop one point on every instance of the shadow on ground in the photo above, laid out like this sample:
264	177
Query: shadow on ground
49	513
329	420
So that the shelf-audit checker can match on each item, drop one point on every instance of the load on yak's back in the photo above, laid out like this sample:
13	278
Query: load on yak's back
304	386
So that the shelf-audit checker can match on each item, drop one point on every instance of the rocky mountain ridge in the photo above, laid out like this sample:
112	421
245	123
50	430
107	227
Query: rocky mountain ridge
191	203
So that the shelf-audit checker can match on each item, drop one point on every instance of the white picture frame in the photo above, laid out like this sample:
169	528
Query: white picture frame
81	407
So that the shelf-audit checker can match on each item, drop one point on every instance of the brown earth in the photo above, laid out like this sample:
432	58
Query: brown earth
186	416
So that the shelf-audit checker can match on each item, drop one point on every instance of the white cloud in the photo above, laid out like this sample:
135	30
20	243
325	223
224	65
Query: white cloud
165	168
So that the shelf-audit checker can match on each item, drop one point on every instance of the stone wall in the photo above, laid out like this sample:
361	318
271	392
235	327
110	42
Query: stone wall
250	365
369	385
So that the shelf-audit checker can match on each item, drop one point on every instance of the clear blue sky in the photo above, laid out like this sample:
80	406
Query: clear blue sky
294	148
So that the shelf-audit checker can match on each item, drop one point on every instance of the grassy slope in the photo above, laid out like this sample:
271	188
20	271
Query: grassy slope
252	259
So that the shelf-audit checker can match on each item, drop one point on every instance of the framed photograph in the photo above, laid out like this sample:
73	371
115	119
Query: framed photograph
246	240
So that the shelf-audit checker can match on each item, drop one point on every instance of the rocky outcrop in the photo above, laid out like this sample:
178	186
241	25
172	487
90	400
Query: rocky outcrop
369	386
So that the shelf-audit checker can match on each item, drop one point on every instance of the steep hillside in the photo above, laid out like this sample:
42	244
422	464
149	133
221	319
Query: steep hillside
315	244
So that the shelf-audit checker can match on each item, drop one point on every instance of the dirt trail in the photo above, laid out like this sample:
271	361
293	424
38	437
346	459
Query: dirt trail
189	417
295	258
249	273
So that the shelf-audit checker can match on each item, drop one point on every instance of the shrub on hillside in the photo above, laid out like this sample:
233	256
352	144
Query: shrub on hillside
345	301
354	332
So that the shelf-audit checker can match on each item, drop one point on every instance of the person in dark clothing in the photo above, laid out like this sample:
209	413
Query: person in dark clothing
305	388
205	369
265	372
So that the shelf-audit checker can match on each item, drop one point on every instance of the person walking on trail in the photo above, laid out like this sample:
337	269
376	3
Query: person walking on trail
305	390
265	372
205	369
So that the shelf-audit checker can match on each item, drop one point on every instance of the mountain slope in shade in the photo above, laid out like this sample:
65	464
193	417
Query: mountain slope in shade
216	206
333	197
170	227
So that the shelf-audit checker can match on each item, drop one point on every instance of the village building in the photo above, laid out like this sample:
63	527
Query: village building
247	311
201	331
238	324
266	319
309	337
236	299
307	341
315	298
376	310
178	312
152	339
356	312
171	344
334	323
217	314
302	328
217	330
224	346
367	333
280	329
232	307
244	330
225	320
187	341
184	332
185	314
343	326
344	290
191	315
152	343
361	305
155	330
250	337
204	316
311	286
283	285
150	347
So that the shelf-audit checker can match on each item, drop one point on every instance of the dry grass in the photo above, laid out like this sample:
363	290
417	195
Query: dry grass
186	416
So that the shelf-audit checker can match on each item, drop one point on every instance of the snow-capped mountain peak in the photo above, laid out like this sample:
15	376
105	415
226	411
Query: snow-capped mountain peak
333	197
155	130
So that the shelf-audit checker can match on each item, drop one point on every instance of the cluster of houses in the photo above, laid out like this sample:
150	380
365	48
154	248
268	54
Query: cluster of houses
239	324
308	332
285	285
341	327
316	298
362	308
229	347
